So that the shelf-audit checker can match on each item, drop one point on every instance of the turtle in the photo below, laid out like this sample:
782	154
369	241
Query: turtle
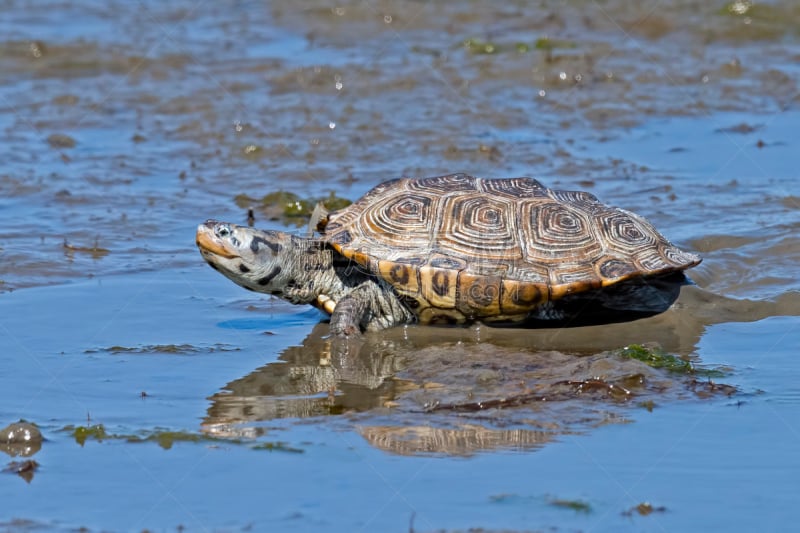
458	249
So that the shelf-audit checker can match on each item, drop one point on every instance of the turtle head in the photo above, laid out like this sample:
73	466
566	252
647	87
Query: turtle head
247	256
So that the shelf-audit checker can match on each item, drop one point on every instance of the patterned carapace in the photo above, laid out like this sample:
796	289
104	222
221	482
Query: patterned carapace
460	248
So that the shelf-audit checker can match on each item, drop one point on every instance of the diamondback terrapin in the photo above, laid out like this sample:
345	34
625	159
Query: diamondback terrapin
457	249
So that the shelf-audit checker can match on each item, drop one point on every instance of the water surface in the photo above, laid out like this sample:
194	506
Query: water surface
128	125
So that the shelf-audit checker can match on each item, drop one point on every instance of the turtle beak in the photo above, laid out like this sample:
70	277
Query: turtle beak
209	241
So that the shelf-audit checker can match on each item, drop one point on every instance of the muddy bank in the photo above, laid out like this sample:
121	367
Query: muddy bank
125	131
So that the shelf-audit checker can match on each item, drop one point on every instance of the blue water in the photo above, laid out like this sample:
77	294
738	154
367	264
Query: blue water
143	337
690	457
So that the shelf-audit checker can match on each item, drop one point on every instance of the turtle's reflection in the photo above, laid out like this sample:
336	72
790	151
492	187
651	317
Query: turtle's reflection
314	379
397	386
388	383
322	378
464	440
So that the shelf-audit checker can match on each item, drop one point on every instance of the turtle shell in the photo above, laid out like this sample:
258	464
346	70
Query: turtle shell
458	248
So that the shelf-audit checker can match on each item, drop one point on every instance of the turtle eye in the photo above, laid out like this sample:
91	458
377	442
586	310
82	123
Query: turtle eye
223	231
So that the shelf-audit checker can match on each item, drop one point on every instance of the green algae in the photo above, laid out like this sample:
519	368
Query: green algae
163	437
167	438
290	203
481	47
288	206
578	506
655	357
477	46
83	433
333	202
547	44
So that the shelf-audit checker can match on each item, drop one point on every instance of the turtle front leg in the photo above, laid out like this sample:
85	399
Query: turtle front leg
373	306
347	316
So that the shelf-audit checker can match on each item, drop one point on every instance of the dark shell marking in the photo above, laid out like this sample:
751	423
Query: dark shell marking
457	248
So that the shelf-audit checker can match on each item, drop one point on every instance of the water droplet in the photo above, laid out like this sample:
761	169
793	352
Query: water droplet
542	93
331	125
339	86
237	126
387	19
705	79
338	11
562	75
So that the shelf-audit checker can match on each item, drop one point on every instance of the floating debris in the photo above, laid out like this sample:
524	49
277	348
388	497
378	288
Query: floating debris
178	349
644	509
708	388
21	432
21	439
742	128
578	506
60	140
95	250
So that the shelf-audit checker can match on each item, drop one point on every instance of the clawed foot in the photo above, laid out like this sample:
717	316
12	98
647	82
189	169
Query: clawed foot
345	331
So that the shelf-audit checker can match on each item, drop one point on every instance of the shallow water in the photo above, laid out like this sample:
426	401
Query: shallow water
124	128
